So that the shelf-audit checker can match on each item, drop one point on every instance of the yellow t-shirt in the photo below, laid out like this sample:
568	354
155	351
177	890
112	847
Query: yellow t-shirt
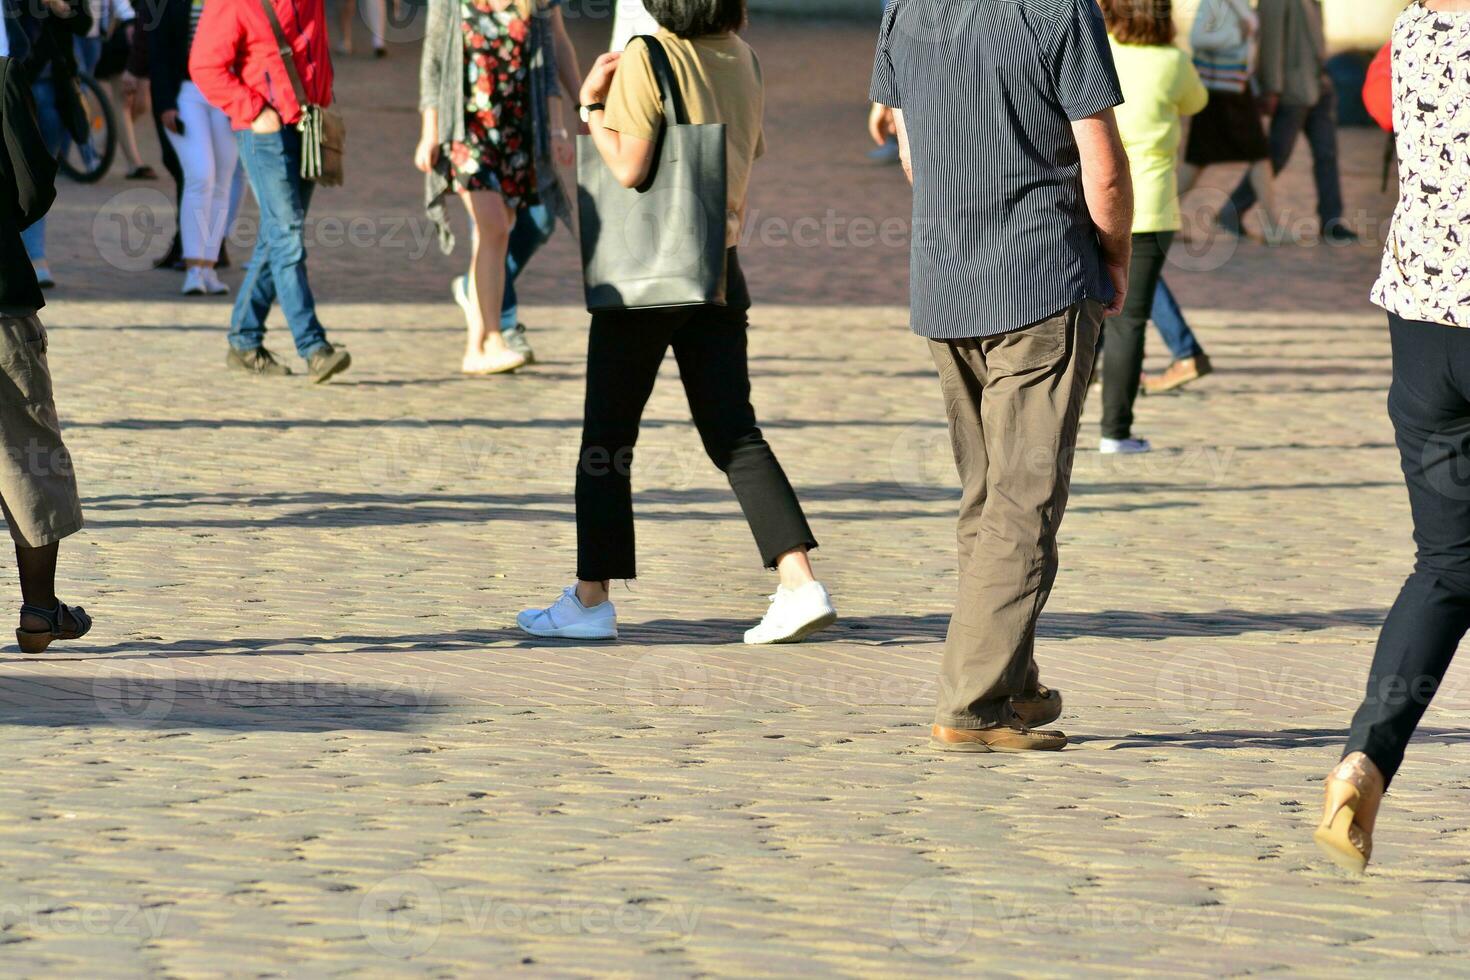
720	78
1160	85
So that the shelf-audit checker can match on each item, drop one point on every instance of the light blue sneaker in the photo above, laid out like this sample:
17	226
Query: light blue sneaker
568	619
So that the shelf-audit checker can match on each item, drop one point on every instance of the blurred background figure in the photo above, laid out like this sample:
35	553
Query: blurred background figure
103	54
136	80
1160	85
374	16
630	19
51	28
1225	42
1298	96
203	140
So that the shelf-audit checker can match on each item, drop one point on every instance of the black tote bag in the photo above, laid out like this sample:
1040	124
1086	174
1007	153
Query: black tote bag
661	244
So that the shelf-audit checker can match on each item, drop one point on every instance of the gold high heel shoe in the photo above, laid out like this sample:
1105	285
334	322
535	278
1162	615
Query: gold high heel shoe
1353	792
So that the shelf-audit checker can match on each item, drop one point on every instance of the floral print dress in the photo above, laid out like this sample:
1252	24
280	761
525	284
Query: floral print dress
1426	266
497	152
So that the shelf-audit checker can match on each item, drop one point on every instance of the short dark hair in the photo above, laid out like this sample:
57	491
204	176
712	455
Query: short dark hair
696	18
1149	22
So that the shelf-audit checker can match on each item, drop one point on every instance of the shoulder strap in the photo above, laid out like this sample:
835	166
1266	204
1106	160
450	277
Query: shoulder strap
284	46
674	111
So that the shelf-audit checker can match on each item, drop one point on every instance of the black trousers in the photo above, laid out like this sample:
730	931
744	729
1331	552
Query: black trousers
1429	403
624	353
1124	334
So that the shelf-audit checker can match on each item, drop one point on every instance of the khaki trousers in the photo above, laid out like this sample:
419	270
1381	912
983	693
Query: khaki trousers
1014	403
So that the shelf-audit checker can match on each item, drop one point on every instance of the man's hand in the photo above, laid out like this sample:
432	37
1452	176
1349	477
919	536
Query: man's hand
599	79
1107	188
880	124
1269	103
1118	274
269	121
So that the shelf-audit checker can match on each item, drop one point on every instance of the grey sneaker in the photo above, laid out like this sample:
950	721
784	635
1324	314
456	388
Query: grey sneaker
515	339
327	362
260	362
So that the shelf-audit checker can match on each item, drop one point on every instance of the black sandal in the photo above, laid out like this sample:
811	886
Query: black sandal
36	641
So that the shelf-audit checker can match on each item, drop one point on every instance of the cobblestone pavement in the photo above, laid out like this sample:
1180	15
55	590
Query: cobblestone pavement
304	738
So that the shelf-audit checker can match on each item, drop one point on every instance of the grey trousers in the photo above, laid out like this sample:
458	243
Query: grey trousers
1014	403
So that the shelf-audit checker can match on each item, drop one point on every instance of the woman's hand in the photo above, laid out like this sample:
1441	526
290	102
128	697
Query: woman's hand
563	150
599	79
426	154
269	121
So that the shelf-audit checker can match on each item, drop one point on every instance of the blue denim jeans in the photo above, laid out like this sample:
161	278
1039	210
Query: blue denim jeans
54	133
1319	122
278	269
1169	322
532	230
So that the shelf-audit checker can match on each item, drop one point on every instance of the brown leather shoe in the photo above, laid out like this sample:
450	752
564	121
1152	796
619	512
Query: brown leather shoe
1042	709
1002	738
1178	374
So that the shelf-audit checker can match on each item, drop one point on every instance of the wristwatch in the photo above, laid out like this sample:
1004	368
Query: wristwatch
586	111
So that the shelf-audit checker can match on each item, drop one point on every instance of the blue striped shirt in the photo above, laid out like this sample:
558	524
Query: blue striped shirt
989	90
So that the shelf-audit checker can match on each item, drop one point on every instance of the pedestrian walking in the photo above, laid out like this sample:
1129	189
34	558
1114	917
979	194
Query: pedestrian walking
137	86
553	72
1160	87
1425	289
103	55
721	83
1189	362
38	488
1225	41
1022	213
237	64
202	137
1299	97
374	17
480	85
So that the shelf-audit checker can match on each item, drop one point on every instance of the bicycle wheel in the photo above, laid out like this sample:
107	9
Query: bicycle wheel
89	162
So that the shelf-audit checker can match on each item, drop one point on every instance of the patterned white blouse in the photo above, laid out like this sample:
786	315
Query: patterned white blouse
1426	265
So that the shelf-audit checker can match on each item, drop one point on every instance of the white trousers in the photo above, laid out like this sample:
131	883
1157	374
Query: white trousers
209	155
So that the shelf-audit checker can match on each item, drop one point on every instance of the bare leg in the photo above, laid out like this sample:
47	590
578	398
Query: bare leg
129	139
1188	176
1264	184
592	594
347	11
491	219
795	568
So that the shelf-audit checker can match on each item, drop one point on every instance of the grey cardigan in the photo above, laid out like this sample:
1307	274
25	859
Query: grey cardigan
441	87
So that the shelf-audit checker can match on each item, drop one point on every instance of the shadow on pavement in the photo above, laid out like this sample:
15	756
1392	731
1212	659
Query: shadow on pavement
143	699
1289	738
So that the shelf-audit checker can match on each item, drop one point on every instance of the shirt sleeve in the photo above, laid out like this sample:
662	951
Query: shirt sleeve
1081	62
884	90
1191	96
634	105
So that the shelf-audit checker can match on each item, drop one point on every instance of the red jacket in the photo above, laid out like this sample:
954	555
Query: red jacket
237	65
1378	92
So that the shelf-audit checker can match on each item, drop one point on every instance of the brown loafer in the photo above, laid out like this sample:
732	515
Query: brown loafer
1001	738
1043	708
1178	374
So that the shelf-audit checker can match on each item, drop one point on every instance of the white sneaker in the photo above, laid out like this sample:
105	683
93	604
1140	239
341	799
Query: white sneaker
795	614
1125	447
568	619
194	282
214	285
459	288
